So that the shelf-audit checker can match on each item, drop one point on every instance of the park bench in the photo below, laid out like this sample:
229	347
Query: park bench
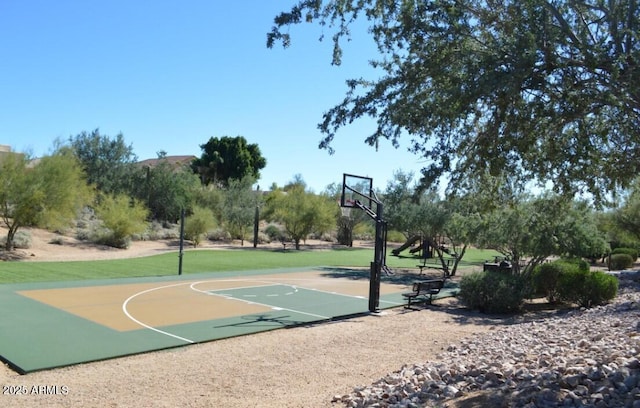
423	291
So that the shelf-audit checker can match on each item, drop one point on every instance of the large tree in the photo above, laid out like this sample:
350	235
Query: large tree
301	212
238	207
165	189
534	228
108	162
48	192
545	90
449	226
228	158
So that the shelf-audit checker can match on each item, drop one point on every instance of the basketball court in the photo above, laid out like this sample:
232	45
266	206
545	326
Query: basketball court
50	325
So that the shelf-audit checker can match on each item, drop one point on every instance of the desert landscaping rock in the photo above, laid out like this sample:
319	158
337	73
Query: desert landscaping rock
581	358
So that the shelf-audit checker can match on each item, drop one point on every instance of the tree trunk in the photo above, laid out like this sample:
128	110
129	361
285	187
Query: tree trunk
9	245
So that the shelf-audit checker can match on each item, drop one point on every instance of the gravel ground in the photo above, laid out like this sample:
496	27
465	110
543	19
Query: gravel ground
579	358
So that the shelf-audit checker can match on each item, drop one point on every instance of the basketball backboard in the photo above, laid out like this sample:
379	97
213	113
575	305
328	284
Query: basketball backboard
356	188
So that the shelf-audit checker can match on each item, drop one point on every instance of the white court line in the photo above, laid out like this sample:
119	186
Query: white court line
255	303
313	289
263	284
126	312
192	287
342	294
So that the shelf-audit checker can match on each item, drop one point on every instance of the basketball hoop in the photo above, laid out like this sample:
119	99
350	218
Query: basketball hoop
346	211
357	191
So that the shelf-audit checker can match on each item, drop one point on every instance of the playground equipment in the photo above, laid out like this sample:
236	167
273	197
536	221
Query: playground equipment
425	247
357	192
407	244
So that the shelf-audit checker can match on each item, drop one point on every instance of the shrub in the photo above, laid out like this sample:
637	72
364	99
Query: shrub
545	279
83	235
493	292
197	224
21	240
123	218
158	231
364	231
273	232
276	234
57	241
625	243
632	252
395	236
619	262
580	263
109	238
587	289
263	238
601	288
219	234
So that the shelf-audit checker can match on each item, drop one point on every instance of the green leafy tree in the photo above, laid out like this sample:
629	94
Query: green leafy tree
300	212
210	197
461	229
624	220
401	204
542	90
48	192
538	227
122	217
449	226
579	234
239	207
108	162
165	189
198	224
227	158
346	220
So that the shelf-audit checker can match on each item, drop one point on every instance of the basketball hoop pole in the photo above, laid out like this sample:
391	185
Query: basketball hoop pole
378	261
379	251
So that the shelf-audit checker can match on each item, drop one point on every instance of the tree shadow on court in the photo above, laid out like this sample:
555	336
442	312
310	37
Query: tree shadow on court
264	321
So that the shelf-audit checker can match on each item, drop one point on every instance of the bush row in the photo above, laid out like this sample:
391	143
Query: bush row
632	252
559	281
572	281
620	261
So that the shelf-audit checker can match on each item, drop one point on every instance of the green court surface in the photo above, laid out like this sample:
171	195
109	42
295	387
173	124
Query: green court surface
49	325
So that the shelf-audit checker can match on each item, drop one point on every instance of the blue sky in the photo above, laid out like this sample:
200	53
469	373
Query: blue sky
169	75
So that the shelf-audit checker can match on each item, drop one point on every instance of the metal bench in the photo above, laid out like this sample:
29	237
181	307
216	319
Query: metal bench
423	291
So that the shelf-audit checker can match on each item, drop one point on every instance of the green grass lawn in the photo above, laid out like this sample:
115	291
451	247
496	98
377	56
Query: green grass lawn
206	261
